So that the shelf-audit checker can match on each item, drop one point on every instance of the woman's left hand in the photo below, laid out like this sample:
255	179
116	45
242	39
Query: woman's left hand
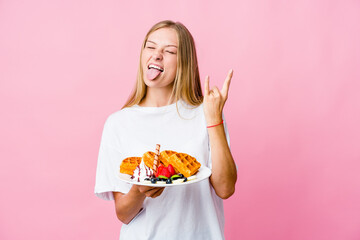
224	175
214	100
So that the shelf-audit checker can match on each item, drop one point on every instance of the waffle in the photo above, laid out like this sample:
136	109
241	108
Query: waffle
128	165
165	156
148	158
186	164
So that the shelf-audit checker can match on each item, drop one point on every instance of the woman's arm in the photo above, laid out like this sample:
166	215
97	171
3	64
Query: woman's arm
224	174
128	205
223	177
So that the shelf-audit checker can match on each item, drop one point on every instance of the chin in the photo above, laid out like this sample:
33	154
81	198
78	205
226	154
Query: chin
150	83
157	82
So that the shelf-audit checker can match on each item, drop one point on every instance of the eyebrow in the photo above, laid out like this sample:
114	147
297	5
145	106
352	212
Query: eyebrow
170	45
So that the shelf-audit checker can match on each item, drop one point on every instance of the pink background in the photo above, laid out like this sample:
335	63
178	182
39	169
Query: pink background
293	111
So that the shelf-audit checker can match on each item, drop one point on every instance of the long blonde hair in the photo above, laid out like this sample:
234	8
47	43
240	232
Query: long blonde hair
187	85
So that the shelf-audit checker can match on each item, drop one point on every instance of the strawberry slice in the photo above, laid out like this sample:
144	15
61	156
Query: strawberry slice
159	170
171	170
165	172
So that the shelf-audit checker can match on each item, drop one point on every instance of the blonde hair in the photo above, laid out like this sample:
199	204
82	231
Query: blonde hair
187	85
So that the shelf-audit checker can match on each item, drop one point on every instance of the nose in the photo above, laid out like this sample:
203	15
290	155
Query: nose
157	55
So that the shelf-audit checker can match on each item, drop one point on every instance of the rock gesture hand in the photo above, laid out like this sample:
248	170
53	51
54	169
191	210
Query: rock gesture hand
214	100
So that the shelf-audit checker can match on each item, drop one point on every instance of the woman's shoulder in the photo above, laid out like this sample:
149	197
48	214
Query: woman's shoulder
118	116
136	111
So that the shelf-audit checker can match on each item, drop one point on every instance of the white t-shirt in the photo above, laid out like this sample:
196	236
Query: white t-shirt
187	212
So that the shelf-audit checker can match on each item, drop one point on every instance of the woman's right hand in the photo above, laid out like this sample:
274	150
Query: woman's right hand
128	205
152	192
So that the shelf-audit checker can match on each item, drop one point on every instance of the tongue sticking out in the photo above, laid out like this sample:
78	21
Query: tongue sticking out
152	73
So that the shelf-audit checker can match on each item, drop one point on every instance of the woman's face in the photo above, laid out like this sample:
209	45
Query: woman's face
159	58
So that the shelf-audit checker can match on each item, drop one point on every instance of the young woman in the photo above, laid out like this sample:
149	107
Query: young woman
167	107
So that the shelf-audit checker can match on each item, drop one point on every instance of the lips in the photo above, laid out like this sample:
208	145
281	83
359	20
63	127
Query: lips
153	71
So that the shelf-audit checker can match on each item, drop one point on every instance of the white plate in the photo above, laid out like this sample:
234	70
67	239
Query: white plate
202	174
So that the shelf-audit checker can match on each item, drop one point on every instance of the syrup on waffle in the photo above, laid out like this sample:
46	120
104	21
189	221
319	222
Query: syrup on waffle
128	165
186	164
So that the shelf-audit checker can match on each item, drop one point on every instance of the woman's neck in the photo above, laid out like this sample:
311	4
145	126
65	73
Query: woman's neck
157	97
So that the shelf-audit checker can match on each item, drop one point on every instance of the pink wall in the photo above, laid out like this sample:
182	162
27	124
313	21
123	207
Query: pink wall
293	112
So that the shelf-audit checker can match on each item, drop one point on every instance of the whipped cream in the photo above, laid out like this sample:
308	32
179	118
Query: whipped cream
141	172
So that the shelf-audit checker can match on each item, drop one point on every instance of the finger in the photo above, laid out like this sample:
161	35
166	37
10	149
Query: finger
226	85
215	91
206	85
147	190
150	193
157	192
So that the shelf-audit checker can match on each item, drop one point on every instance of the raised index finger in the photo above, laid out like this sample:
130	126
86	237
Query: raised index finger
206	86
225	88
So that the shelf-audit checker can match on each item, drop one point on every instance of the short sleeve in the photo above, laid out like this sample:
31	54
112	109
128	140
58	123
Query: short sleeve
108	164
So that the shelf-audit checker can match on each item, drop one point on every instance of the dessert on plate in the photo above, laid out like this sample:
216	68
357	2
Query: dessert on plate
167	167
128	165
142	172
